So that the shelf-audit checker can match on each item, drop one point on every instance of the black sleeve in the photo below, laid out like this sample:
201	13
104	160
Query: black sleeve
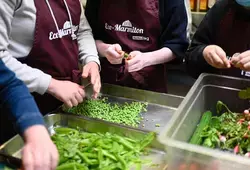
204	36
92	15
174	21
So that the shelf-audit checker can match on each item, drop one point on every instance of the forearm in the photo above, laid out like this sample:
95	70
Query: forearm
160	56
16	100
86	43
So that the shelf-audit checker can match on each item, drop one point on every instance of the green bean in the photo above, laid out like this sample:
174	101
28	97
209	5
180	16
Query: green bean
78	152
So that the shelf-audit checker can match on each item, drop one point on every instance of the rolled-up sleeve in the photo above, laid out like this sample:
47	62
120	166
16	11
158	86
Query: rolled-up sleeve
174	20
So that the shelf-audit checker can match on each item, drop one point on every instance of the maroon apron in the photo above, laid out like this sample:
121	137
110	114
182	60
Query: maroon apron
51	54
233	36
135	25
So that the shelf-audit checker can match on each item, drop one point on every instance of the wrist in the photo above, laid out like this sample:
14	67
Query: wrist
147	59
102	47
35	132
52	86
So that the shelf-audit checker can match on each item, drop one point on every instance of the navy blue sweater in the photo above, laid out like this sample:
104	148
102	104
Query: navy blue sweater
173	19
16	100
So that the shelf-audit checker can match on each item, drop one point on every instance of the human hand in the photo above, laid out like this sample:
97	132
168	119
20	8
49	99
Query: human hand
114	54
39	152
242	60
91	70
136	61
216	57
71	94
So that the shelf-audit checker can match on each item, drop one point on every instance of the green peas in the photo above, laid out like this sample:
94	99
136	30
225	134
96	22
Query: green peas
127	113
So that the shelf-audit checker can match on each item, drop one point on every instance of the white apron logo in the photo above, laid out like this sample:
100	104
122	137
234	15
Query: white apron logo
66	30
245	73
127	26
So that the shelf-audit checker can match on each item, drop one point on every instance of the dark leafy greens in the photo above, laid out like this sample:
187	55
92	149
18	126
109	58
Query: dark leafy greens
230	131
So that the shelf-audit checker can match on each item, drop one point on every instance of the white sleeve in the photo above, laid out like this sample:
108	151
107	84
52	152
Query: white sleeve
35	79
86	42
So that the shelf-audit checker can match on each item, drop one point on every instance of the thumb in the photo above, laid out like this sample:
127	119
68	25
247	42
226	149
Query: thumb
222	54
85	72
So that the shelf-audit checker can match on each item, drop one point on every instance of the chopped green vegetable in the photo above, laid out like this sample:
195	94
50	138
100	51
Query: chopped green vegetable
244	94
205	120
90	151
229	131
127	113
157	125
126	55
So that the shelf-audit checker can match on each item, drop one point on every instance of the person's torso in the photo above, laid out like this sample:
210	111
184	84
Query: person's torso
233	35
133	24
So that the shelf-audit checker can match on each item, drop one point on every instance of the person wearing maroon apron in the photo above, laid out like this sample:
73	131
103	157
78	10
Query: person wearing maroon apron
55	49
221	44
152	32
42	41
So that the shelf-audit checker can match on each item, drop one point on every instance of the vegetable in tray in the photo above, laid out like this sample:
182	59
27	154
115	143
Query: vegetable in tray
126	114
97	151
229	131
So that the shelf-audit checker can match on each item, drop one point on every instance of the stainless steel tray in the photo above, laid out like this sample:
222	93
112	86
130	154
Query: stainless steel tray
13	146
203	96
160	109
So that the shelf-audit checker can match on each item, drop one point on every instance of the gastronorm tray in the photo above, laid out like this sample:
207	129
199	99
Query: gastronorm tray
161	106
204	94
13	146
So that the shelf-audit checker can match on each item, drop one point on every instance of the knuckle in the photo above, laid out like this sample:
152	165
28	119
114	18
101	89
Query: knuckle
240	57
217	63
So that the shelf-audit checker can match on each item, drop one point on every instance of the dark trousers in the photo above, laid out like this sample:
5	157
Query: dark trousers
7	130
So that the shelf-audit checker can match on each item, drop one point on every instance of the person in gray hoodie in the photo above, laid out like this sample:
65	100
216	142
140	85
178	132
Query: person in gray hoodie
43	41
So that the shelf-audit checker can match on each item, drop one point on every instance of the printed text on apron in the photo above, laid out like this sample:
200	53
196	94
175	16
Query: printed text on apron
134	25
50	53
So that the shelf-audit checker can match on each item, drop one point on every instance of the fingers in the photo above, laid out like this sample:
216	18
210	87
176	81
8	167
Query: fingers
81	92
85	71
216	57
42	159
222	55
235	58
27	159
134	68
79	98
35	160
117	47
217	61
54	157
68	103
242	59
114	54
96	82
114	57
132	61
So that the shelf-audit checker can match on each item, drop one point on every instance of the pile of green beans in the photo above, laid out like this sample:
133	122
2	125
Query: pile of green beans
97	151
126	114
